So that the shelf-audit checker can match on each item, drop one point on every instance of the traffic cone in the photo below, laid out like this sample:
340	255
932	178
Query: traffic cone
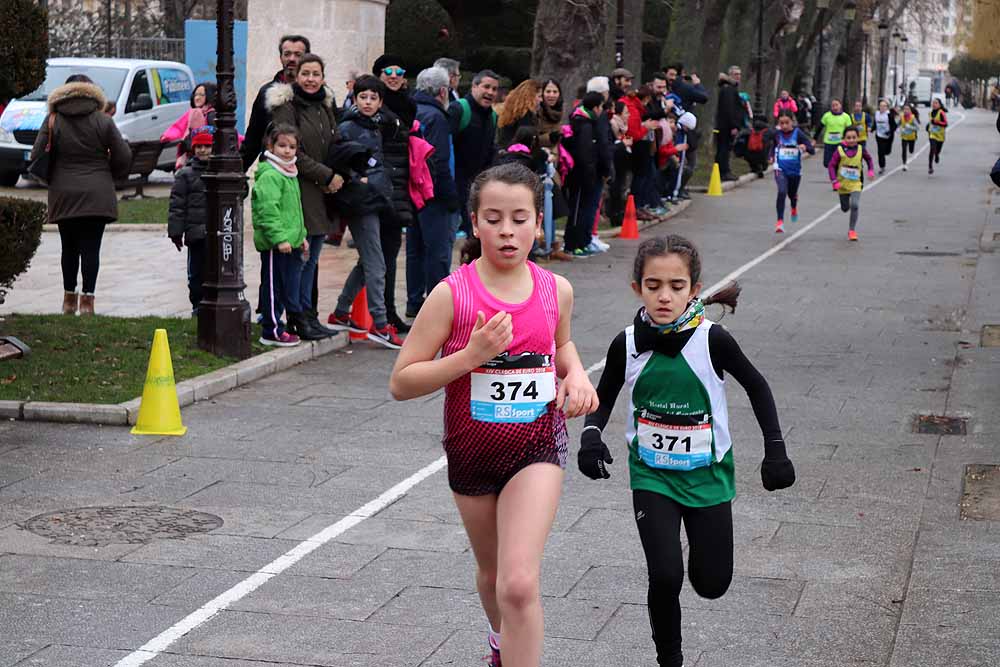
360	314
159	411
715	183
630	226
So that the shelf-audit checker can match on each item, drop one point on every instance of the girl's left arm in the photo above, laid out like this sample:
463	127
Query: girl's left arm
776	471
577	395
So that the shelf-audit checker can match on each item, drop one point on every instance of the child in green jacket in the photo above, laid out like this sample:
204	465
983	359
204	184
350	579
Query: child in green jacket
279	234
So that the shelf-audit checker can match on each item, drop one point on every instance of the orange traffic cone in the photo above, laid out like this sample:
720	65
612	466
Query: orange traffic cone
630	226
360	314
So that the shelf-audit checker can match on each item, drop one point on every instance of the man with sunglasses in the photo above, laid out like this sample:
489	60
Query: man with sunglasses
291	48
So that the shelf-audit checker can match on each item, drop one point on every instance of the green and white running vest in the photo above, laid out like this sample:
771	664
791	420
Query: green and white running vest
678	423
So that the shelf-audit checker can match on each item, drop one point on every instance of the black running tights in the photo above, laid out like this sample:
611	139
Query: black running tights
932	155
710	562
81	245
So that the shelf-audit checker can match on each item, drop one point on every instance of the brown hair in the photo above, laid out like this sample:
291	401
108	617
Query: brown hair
520	102
312	58
674	244
275	130
511	173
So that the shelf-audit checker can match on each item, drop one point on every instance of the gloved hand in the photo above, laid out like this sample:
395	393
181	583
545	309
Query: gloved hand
178	242
776	470
836	185
593	455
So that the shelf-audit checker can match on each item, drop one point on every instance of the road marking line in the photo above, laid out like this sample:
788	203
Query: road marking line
162	641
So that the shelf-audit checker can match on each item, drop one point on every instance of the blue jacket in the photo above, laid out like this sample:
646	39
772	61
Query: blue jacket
366	131
434	124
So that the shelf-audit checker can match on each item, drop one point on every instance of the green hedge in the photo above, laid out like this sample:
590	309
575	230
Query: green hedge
24	46
20	233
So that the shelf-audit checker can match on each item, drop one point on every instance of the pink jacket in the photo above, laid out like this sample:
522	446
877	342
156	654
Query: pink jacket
191	119
785	105
421	184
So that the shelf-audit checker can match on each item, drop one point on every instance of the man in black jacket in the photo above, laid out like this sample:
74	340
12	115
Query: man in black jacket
729	119
473	131
291	48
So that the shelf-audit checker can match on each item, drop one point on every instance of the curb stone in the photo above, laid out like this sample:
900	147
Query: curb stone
198	388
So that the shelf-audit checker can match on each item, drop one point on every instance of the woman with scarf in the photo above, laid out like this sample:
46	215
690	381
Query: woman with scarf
308	105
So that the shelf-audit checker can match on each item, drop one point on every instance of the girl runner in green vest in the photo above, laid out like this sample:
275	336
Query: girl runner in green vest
834	122
936	129
845	173
908	128
672	361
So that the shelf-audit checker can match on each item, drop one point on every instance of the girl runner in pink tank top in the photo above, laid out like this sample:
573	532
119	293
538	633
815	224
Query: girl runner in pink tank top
502	326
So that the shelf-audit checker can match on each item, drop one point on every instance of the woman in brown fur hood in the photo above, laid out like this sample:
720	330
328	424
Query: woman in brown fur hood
87	156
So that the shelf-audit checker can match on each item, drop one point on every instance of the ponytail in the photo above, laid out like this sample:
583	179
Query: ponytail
727	296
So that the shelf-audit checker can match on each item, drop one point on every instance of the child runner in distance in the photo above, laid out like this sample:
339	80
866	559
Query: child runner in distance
833	122
864	122
885	132
188	212
845	172
909	124
790	143
672	362
502	326
935	133
279	234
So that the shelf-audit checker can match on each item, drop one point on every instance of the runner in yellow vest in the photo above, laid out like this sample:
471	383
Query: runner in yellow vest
908	128
834	122
936	130
845	172
863	122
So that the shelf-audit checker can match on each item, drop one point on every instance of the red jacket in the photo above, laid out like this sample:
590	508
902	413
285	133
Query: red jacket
635	111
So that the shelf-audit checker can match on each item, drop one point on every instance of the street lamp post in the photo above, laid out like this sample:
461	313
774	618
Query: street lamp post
822	5
758	96
895	60
850	11
906	86
864	67
883	31
224	314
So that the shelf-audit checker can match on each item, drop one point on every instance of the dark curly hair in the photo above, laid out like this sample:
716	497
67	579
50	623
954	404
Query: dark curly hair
674	244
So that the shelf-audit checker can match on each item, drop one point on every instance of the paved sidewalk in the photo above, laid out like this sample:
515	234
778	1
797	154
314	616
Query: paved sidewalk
864	562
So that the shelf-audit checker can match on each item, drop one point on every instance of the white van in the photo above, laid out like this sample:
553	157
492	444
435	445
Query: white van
149	95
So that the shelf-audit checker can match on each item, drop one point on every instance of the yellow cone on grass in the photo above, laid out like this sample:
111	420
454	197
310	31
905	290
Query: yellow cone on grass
159	412
715	183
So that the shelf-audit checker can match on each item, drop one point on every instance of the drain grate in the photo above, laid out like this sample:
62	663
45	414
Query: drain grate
990	336
927	253
939	424
981	494
101	526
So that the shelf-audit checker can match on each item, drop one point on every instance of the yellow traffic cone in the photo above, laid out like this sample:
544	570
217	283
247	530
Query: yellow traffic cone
715	183
159	412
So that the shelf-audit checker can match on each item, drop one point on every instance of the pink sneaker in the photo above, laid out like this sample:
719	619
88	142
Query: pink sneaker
284	339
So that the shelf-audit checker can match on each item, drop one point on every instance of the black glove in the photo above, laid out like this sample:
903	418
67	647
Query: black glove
776	471
593	455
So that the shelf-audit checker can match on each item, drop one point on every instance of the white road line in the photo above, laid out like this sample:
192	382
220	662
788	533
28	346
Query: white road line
162	641
733	275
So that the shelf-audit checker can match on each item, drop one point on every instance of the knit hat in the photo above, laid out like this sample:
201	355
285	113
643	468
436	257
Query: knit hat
385	60
687	120
202	137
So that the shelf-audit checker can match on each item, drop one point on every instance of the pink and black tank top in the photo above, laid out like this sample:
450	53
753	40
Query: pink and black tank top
509	401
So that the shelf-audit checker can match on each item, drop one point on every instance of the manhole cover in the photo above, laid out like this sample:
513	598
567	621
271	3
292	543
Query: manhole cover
990	336
100	526
981	498
927	253
939	424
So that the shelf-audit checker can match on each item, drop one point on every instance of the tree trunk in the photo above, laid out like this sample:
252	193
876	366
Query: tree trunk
683	43
715	18
569	38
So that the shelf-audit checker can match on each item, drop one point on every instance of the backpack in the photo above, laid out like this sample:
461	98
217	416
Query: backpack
466	118
755	143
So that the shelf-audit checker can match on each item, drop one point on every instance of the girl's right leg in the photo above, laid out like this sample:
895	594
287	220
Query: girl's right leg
845	202
854	200
793	194
92	233
881	152
658	519
269	307
782	182
710	539
70	254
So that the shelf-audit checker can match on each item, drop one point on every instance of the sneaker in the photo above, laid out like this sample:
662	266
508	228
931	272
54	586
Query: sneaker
338	323
905	168
460	235
596	240
795	214
660	211
930	170
779	227
881	170
386	336
581	252
494	657
852	235
284	339
937	158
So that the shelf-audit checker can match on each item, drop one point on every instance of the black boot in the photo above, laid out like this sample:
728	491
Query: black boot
298	323
312	319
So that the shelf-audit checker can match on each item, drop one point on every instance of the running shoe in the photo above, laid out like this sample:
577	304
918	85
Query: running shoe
581	252
905	168
494	657
338	323
795	214
881	170
852	235
779	227
937	158
596	240
284	339
386	336
593	249
930	171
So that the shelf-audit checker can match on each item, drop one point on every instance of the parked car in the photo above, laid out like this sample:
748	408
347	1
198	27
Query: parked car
149	95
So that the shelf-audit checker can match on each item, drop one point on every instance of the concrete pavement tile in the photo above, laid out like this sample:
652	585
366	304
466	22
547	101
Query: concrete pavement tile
727	658
220	552
859	540
337	560
80	579
975	612
11	473
234	494
250	521
16	540
354	599
400	534
207	470
375	449
850	640
919	646
59	655
79	492
200	587
13	651
313	641
175	660
822	564
849	512
851	599
596	549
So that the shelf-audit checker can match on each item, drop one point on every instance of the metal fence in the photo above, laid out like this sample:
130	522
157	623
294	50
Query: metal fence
150	48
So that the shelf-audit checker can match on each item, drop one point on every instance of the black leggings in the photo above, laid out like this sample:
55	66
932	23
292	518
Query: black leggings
884	149
81	244
391	238
710	562
934	155
909	145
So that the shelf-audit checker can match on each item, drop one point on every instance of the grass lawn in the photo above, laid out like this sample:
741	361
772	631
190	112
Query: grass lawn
96	359
143	211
